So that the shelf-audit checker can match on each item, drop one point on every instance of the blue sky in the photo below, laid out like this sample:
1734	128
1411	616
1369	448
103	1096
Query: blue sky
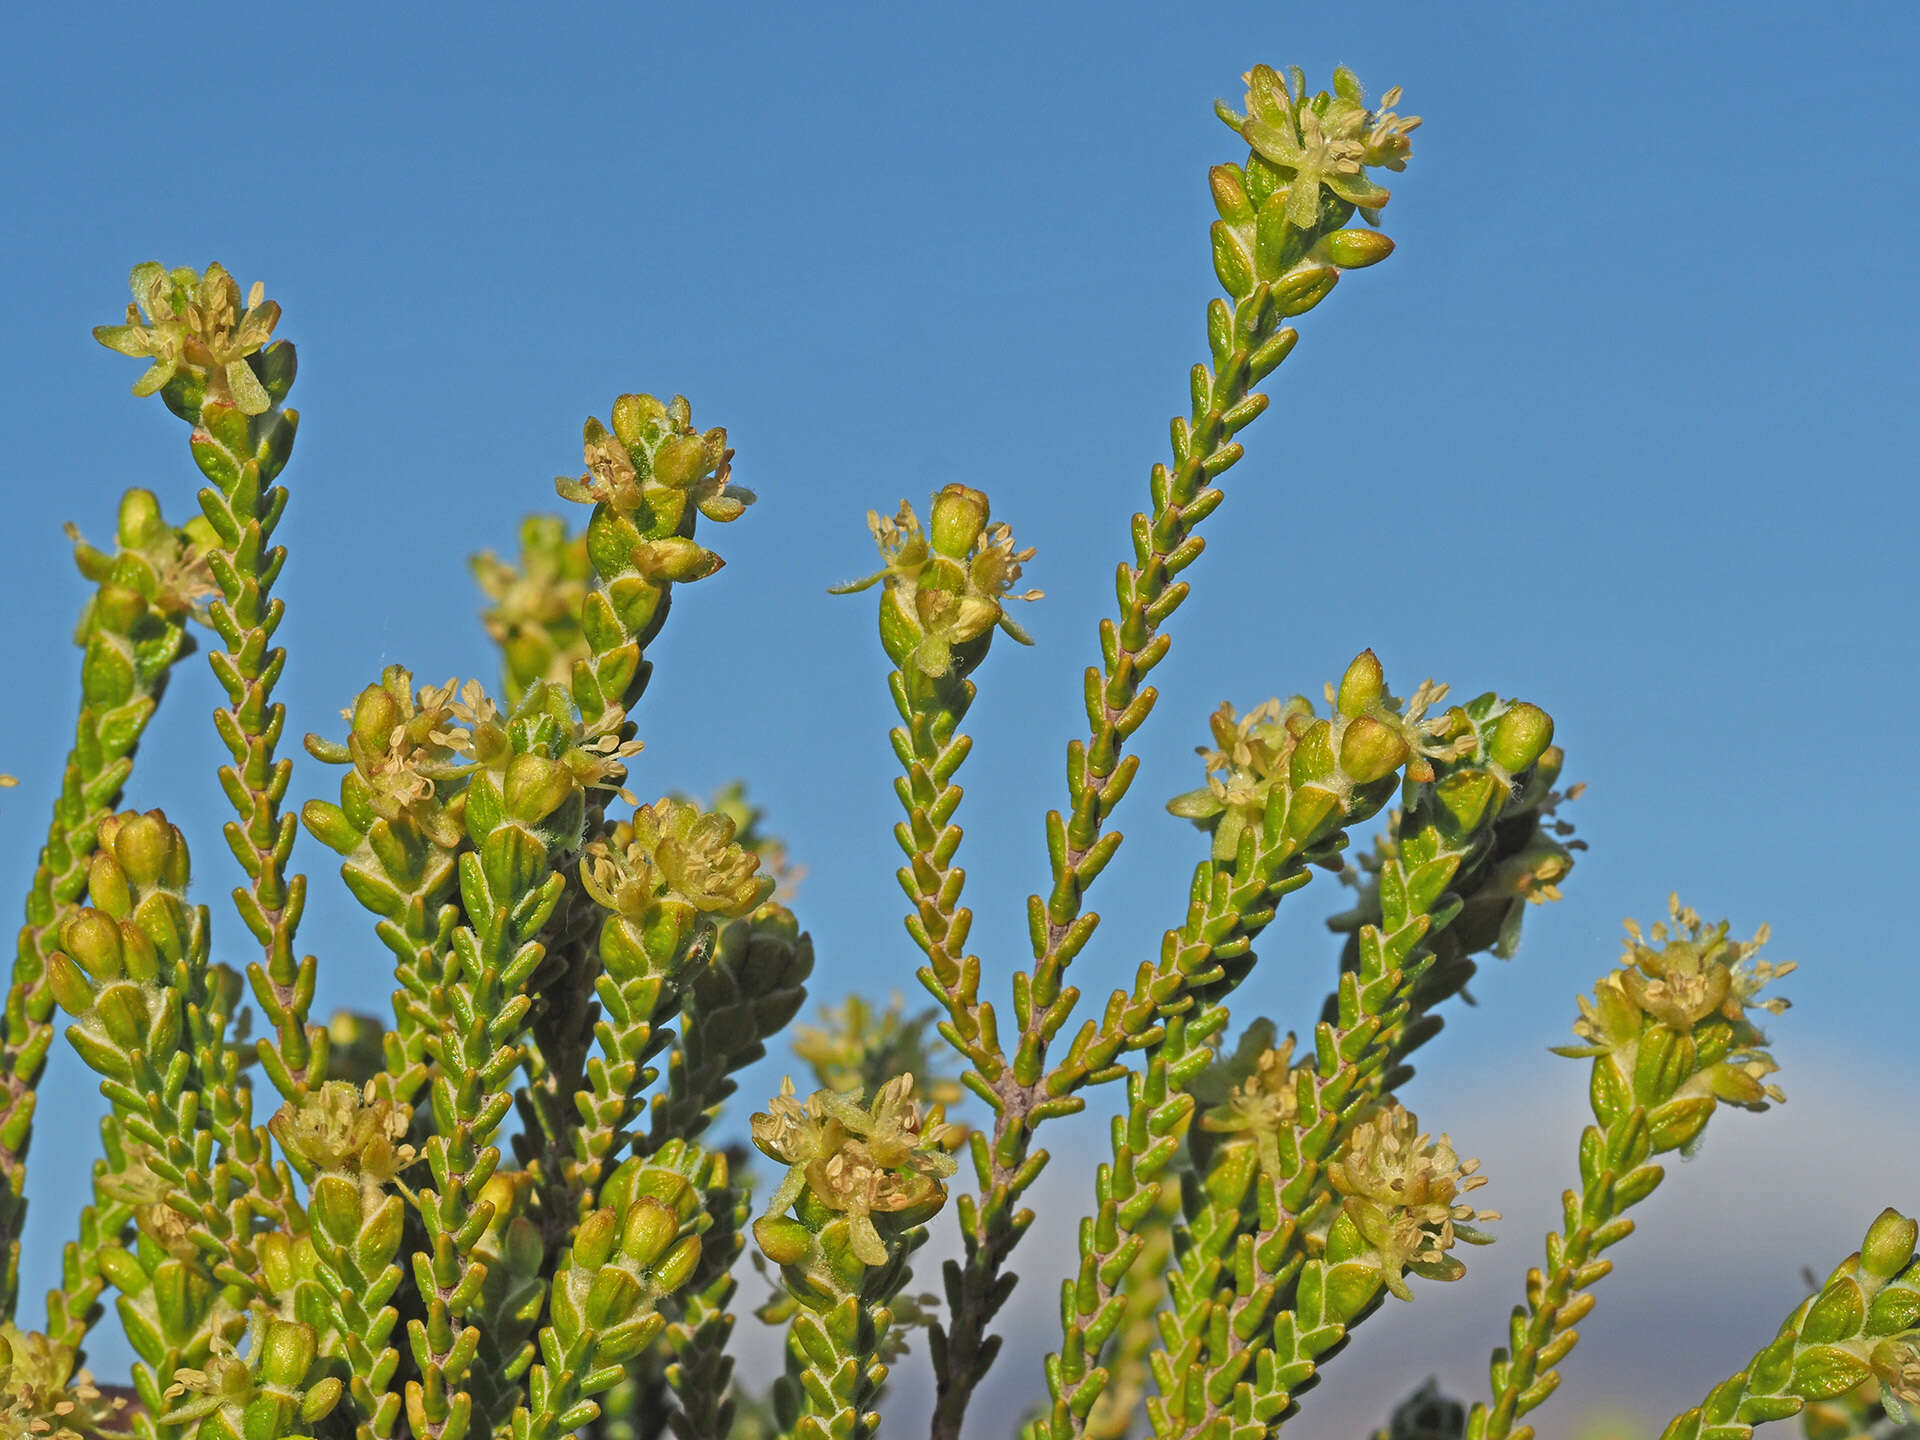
1624	427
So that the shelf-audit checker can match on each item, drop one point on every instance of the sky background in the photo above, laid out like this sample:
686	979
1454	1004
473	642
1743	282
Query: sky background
1624	427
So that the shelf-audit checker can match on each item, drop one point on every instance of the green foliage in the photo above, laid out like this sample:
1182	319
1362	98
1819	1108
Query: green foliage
501	1210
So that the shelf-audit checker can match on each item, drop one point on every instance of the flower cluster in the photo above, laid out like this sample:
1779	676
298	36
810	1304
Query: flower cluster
182	320
1687	983
947	587
166	567
750	829
344	1129
1324	142
1254	1096
851	1160
268	1391
541	755
407	748
1695	971
654	443
674	850
42	1398
1402	1189
1370	735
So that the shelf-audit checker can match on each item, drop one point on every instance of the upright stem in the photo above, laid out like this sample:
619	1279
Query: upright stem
130	648
240	455
1248	343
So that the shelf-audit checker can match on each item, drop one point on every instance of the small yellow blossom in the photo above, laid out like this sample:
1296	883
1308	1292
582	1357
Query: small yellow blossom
1263	1105
858	1161
342	1129
1402	1189
42	1398
196	322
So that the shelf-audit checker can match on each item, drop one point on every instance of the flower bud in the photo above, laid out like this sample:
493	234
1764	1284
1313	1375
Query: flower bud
1371	750
70	988
93	939
153	852
286	1353
1889	1244
634	416
535	787
782	1240
140	522
681	460
1353	249
375	714
959	515
650	1228
1520	737
678	1267
593	1242
107	887
1362	686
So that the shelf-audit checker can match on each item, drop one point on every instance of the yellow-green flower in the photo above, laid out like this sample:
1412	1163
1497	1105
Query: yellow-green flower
1291	132
671	849
1682	977
1254	1096
42	1398
407	747
948	588
611	479
265	1393
342	1129
859	1161
195	322
1402	1189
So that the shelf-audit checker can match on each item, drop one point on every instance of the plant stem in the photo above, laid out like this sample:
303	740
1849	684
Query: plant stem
1248	344
240	456
130	652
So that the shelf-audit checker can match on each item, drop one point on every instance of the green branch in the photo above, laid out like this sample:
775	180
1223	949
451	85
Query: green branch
1863	1325
1279	248
131	635
1670	1040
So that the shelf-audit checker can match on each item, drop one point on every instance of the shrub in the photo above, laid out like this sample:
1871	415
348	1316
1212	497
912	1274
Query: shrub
501	1210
